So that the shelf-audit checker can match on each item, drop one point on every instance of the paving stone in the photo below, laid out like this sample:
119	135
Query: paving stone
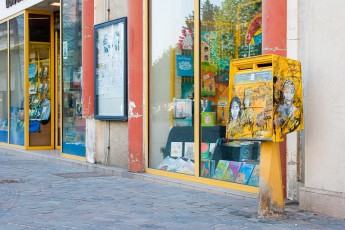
50	195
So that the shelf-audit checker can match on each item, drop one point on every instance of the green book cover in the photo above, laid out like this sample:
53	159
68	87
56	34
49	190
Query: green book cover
208	118
221	168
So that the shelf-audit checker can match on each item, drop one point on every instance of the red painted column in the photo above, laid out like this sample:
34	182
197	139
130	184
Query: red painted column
135	86
274	41
88	57
274	27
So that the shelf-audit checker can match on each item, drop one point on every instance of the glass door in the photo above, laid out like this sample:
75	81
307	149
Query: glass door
40	81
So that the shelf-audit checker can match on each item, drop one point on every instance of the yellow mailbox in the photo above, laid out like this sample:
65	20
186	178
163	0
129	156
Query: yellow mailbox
265	102
265	96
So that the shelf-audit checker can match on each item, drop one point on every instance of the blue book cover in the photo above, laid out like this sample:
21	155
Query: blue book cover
32	71
255	177
207	168
244	173
184	65
187	90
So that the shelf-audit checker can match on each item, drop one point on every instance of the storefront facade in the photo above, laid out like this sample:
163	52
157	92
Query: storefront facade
39	108
178	95
188	90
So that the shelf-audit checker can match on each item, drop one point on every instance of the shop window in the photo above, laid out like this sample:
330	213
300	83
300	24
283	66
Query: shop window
73	137
16	65
228	30
3	83
171	84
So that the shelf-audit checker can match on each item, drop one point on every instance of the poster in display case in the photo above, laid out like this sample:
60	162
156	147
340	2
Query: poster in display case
111	70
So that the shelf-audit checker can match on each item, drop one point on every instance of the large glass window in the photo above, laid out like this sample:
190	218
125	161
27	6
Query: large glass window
3	83
229	29
16	29
171	84
73	138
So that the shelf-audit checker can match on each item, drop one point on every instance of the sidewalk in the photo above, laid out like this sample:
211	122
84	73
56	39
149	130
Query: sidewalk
53	156
41	190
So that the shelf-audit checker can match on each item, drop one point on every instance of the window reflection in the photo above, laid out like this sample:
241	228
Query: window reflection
16	28
73	138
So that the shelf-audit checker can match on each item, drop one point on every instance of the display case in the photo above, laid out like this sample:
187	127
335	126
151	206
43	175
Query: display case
39	91
39	81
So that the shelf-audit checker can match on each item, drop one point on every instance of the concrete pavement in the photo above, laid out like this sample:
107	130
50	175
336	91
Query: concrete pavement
40	190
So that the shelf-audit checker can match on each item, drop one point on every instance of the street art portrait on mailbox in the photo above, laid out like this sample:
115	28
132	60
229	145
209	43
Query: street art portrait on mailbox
265	103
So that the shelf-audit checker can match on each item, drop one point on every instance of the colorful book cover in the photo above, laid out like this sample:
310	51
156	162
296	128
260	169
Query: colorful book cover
45	113
40	87
184	65
40	72
32	71
32	87
244	173
178	164
232	171
176	149
208	118
182	108
188	168
166	163
207	168
189	150
255	177
220	170
205	150
187	90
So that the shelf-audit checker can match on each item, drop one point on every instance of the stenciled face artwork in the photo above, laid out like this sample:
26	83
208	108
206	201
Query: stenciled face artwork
235	110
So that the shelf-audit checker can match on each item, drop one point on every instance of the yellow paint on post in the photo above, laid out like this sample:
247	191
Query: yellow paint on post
271	196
